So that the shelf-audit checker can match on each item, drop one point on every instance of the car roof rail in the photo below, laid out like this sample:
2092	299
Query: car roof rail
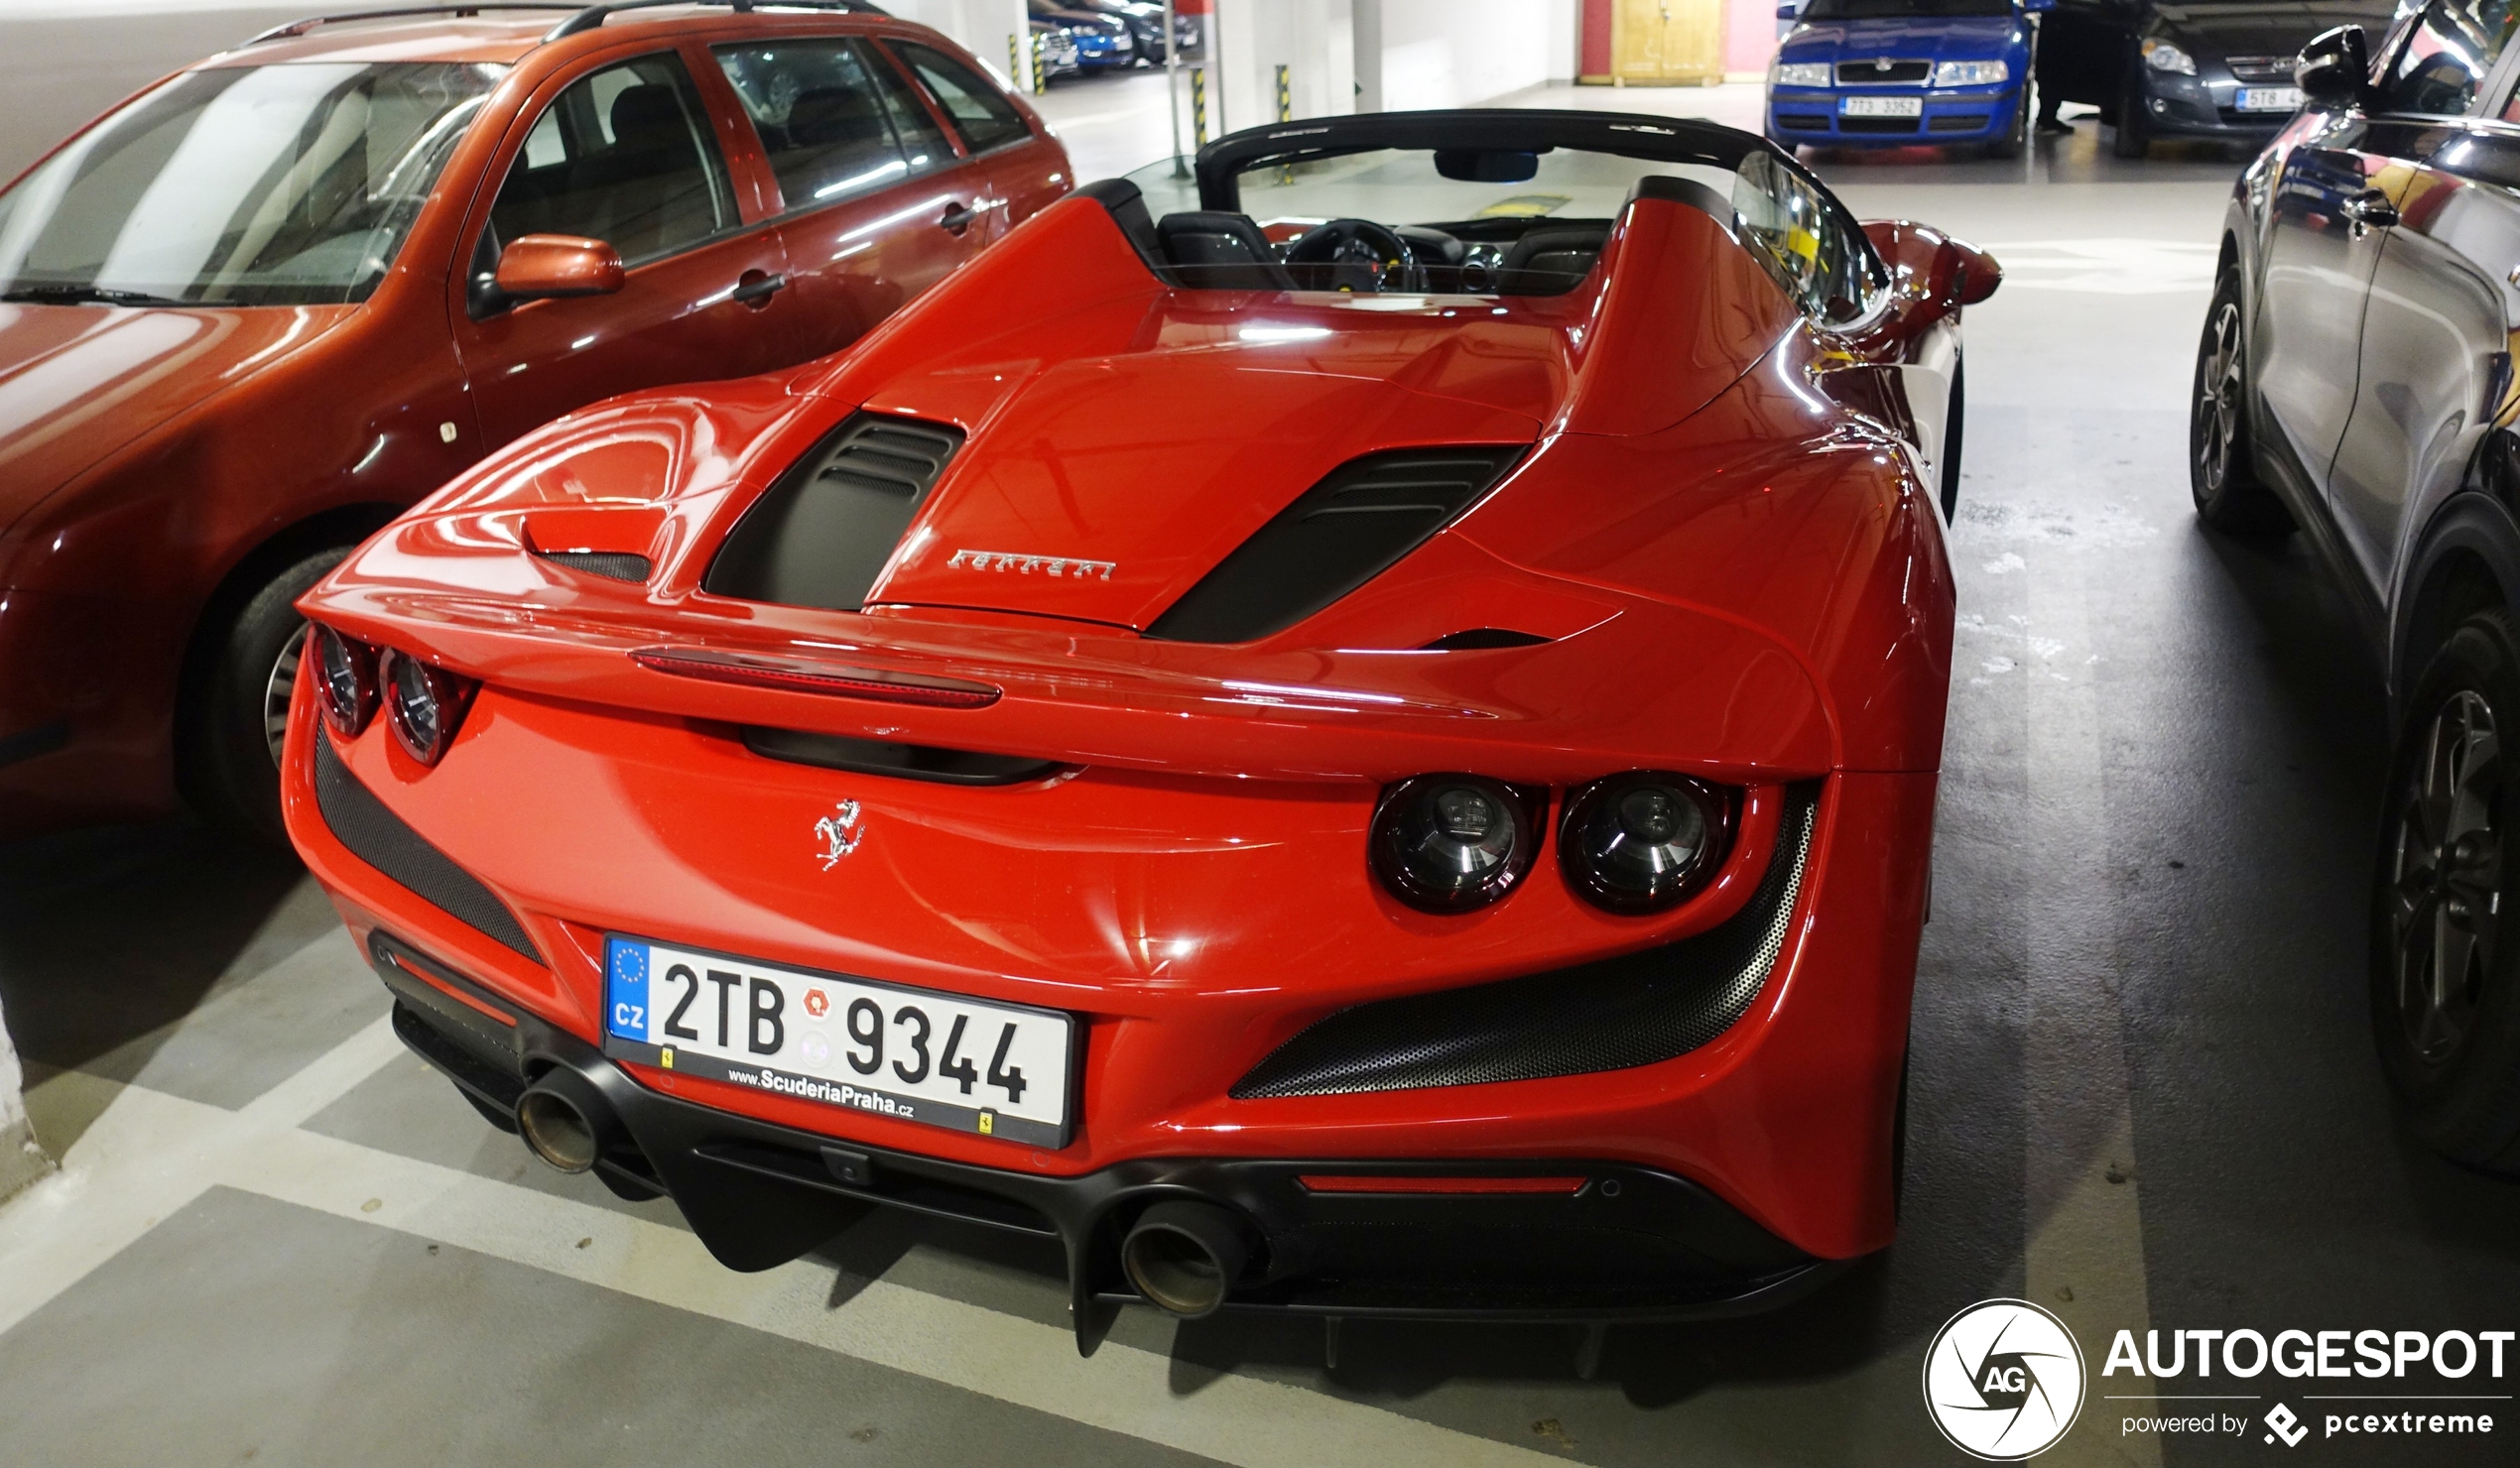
302	27
594	16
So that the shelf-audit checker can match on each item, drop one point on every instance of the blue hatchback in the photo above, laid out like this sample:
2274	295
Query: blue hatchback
1894	74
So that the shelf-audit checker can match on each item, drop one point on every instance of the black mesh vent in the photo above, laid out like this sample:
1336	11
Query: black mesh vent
1877	72
819	536
1876	124
907	761
1633	1010
614	565
1341	533
1957	122
377	836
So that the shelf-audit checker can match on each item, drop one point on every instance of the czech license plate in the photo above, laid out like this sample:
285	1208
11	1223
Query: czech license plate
1881	106
2270	98
913	1054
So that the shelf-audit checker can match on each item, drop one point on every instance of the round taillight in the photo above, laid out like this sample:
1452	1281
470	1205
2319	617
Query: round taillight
1643	841
1447	843
422	704
345	680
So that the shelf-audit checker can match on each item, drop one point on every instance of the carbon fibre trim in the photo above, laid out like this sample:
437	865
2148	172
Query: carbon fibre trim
379	837
613	565
1634	1010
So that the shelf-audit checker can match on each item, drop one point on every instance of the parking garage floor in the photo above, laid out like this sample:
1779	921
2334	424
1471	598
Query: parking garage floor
2142	1091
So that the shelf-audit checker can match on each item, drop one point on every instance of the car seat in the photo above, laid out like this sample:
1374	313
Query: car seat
1550	261
1216	251
655	191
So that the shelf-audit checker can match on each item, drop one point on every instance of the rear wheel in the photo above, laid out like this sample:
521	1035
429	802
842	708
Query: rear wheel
233	729
2445	1003
1955	419
2222	474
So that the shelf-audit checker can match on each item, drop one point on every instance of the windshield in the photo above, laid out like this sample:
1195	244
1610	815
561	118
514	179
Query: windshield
254	185
1484	223
1866	10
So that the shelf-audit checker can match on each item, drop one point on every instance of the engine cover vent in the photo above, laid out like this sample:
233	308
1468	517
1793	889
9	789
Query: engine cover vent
1341	533
819	536
613	565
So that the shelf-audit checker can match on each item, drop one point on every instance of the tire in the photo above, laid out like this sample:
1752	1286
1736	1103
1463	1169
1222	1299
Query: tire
1954	420
2134	136
2445	978
2012	143
229	735
2222	473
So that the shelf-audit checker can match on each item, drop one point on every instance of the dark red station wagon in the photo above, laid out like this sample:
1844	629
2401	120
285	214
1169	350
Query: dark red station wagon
255	311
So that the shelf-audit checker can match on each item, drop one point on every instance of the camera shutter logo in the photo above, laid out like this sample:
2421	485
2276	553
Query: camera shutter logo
2004	1379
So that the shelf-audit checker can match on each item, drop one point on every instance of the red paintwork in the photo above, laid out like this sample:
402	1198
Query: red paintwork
1745	579
156	465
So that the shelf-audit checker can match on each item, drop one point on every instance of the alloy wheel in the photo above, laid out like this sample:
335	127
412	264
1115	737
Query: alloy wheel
2218	399
276	689
2446	878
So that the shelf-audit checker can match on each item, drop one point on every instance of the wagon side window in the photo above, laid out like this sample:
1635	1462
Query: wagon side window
823	120
1805	241
625	156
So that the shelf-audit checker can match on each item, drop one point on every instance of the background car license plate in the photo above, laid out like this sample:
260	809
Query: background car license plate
2270	98
1881	106
913	1054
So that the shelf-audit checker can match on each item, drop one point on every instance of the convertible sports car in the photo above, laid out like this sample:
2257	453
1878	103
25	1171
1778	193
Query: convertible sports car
1371	751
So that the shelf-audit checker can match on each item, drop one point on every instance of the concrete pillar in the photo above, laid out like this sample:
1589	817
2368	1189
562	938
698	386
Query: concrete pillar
21	1160
1315	40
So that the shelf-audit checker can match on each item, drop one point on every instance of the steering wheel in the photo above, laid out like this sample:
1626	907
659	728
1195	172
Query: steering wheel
1361	256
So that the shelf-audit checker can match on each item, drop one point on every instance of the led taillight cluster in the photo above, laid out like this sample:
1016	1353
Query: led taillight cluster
1633	843
423	702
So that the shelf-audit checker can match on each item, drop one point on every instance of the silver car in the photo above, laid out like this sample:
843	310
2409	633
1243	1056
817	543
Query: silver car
2355	380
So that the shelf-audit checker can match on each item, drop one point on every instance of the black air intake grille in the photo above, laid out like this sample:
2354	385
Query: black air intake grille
379	837
1957	122
1341	533
1883	72
614	565
1876	124
819	536
1633	1010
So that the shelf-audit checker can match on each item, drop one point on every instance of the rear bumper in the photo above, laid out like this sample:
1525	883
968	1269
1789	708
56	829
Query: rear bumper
1814	118
1611	1241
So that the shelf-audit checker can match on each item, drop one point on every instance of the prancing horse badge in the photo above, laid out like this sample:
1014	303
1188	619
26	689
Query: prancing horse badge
839	833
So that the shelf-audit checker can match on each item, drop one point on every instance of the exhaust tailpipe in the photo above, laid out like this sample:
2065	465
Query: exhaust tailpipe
1184	1256
565	1121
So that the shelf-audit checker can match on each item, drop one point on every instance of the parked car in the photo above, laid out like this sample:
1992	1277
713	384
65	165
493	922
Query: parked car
258	309
1145	21
1054	49
2354	379
1103	41
1304	790
1894	74
2212	69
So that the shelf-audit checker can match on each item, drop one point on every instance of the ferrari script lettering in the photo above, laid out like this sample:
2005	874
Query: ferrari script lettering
1025	566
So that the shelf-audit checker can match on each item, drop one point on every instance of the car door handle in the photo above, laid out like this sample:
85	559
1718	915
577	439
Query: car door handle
756	289
2369	211
957	218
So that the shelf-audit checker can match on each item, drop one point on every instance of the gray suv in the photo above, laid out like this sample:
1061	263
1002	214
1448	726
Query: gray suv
2355	380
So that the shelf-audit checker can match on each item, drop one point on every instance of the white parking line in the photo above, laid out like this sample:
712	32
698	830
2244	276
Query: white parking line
151	1154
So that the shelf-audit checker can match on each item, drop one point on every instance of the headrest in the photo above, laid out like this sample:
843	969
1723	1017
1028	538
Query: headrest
835	114
648	115
1224	252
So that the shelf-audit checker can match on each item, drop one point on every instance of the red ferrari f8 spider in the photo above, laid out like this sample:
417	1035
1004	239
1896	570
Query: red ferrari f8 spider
1365	745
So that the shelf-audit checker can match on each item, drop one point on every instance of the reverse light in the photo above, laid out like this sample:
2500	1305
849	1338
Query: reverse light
1448	843
1643	841
1971	73
423	704
1801	74
344	680
2160	56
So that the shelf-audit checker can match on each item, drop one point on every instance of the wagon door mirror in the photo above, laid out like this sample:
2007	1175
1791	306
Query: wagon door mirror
2335	68
539	267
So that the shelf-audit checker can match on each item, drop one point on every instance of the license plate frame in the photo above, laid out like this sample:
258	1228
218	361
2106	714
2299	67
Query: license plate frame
1910	107
1043	1046
2269	99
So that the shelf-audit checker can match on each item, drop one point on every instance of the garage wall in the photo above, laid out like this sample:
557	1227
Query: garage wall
981	26
1315	40
21	1160
1461	52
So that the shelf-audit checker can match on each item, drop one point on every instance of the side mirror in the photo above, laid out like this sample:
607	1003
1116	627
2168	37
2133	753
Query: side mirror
1933	273
1789	12
1980	273
539	267
2335	68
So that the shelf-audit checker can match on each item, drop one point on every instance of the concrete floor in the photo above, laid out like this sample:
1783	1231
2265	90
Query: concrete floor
2142	1090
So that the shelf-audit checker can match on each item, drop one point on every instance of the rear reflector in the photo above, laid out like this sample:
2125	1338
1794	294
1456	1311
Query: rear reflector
1348	1182
796	675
